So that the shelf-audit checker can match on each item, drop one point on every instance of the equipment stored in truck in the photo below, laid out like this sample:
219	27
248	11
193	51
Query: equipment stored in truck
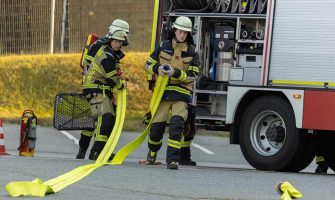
267	75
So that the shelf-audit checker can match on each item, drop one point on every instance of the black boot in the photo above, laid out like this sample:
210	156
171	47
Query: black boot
81	153
151	157
84	142
322	168
185	157
93	155
96	150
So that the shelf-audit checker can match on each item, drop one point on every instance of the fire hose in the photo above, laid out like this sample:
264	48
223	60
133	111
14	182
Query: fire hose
39	188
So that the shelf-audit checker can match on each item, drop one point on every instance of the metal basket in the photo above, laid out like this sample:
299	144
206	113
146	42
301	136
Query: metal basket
72	112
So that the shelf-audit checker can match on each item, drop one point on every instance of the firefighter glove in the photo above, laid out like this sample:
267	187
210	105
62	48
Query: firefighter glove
123	77
124	86
147	118
151	84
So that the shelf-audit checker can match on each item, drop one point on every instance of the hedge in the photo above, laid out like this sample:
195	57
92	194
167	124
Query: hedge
32	81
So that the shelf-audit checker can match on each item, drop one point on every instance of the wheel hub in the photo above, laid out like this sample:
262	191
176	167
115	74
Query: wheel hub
268	133
276	134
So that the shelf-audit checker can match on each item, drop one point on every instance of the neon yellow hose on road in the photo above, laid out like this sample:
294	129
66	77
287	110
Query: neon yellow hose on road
38	188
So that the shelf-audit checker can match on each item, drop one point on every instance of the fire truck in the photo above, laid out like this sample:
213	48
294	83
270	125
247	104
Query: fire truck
267	75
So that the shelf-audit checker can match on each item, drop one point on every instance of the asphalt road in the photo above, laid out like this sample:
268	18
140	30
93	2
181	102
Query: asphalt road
222	172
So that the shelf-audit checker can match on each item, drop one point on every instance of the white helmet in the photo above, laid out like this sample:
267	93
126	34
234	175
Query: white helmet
118	24
183	23
118	35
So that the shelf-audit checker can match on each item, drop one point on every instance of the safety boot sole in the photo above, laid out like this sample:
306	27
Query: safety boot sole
172	165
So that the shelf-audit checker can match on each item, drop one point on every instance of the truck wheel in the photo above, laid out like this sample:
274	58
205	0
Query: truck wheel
304	154
269	139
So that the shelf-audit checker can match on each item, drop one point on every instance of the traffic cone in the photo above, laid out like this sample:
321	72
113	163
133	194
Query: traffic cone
288	191
2	140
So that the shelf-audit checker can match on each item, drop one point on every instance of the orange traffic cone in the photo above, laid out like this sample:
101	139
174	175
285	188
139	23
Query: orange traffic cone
2	140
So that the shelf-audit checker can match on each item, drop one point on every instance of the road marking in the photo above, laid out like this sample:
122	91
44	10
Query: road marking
68	135
202	148
75	140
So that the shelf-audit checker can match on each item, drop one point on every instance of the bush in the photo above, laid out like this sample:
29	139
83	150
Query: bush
32	81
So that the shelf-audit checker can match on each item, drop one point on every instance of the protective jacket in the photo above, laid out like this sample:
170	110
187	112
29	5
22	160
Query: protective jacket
185	61
102	64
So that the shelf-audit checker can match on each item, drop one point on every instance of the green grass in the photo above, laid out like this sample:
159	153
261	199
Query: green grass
33	81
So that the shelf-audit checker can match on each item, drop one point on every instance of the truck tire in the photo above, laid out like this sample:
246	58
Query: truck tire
305	153
269	139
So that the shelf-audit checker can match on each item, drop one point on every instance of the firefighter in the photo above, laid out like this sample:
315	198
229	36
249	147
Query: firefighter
177	59
117	24
98	84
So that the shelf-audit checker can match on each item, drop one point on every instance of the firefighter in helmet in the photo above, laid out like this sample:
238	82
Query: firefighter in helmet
97	87
177	59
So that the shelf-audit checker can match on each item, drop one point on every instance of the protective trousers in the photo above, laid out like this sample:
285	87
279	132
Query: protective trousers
185	151
178	116
86	135
101	106
188	134
85	139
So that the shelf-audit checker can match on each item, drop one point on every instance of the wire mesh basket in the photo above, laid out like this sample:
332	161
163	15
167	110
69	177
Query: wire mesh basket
72	112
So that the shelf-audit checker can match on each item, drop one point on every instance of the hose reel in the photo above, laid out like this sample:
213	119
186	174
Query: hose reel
194	5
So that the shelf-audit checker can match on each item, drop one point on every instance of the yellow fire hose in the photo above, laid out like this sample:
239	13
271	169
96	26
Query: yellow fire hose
38	188
154	103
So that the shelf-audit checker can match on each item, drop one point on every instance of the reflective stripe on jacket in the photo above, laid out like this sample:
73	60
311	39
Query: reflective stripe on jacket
102	71
183	58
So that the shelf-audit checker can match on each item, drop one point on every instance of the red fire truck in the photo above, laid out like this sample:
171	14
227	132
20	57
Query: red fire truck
267	75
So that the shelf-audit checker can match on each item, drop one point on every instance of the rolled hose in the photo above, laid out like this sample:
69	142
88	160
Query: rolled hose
193	5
